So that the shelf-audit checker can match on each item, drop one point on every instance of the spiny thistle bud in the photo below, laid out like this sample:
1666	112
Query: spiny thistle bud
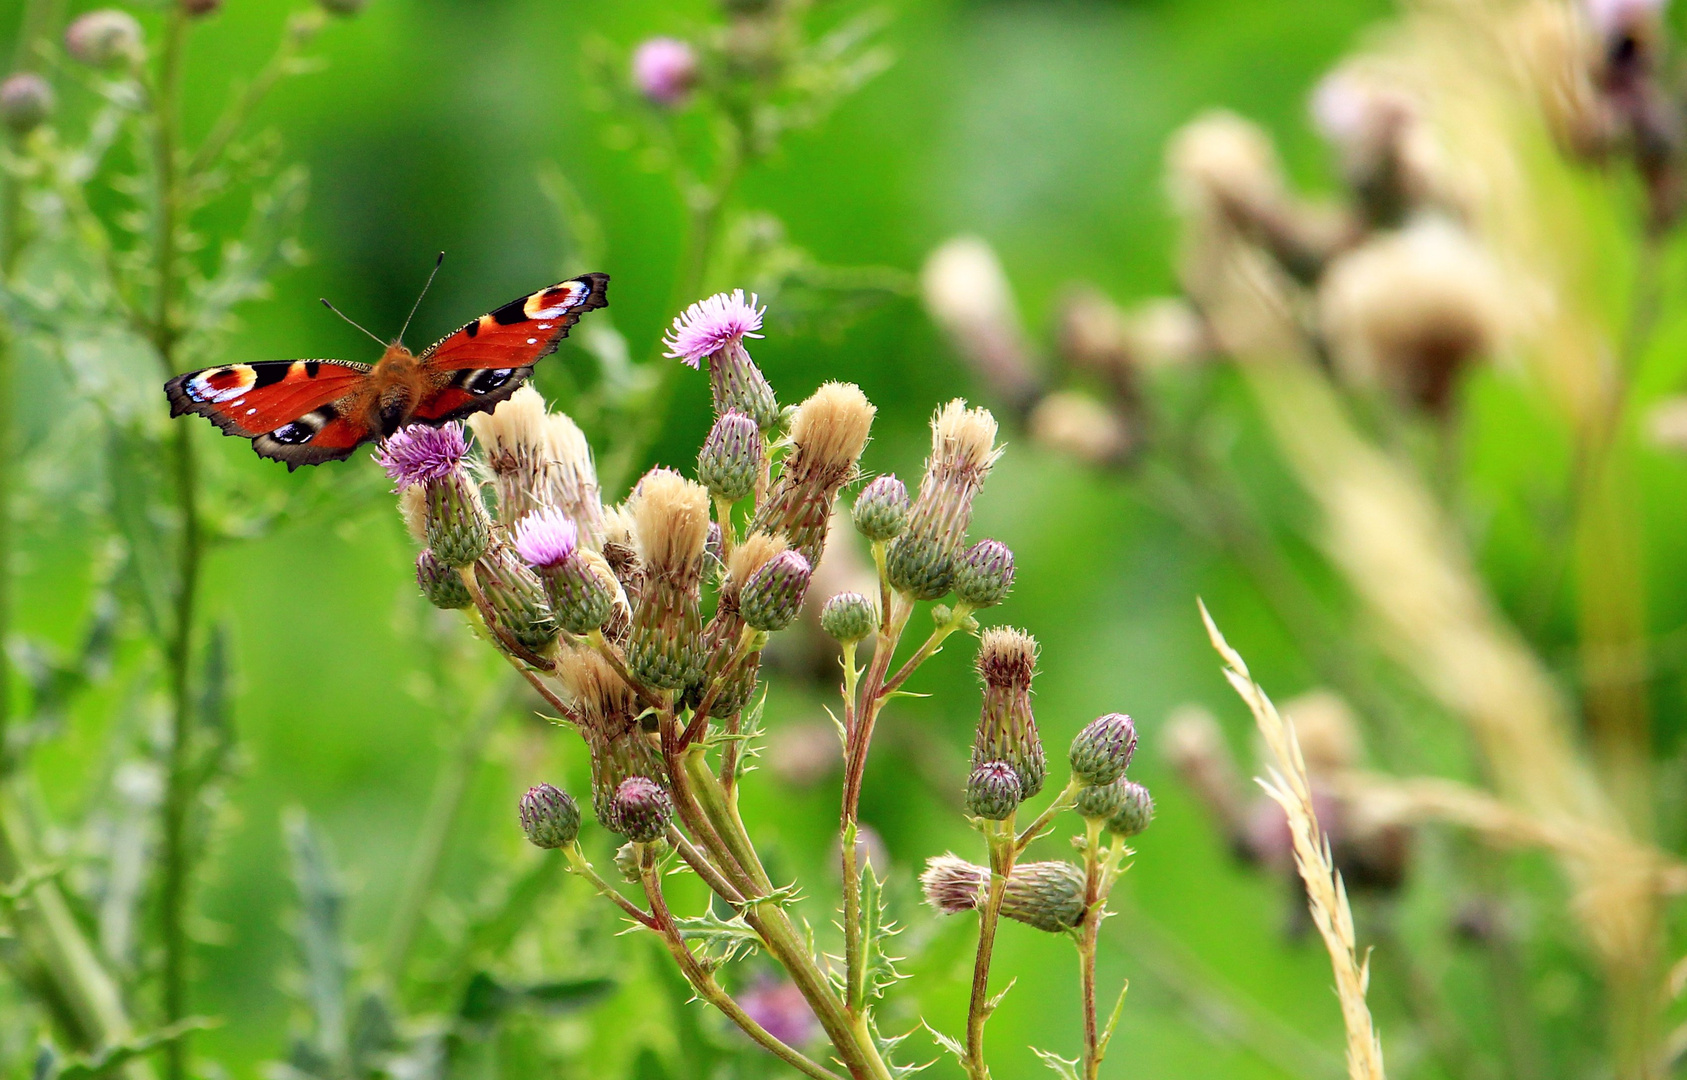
1007	729
1102	751
516	597
26	100
716	328
1100	801
549	816
993	791
1046	895
881	510
458	529
664	70
725	629
642	809
103	38
849	616
581	596
730	462
922	562
442	585
671	521
1134	812
774	595
984	574
828	433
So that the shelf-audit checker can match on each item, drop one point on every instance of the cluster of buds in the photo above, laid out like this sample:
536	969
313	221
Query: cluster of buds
926	555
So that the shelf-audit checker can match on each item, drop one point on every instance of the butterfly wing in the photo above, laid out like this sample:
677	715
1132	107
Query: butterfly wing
303	412
475	368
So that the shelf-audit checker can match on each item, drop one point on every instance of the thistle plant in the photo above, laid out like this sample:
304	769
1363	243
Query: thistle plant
647	642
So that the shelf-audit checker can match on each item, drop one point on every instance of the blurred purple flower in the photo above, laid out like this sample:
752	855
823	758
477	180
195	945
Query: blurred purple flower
664	70
1611	17
418	453
778	1006
546	537
710	325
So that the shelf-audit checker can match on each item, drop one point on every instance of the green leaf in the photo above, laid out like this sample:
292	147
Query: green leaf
1067	1068
114	1057
876	931
146	569
320	935
948	1043
719	941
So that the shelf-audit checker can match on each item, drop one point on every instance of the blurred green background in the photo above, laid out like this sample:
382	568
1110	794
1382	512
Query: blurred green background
1037	124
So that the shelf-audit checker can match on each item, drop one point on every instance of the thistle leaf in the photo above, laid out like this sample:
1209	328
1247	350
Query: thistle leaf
1065	1068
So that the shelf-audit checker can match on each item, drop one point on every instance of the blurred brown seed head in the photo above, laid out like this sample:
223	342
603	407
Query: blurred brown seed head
104	38
968	296
1074	423
1327	731
26	100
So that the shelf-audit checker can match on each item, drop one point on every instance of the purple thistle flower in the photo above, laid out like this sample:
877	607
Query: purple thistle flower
711	325
664	70
546	537
418	453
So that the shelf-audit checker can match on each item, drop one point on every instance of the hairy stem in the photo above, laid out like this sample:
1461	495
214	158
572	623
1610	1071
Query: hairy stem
1002	852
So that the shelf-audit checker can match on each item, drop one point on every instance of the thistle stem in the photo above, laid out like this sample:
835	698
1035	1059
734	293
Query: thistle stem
1002	852
577	864
1094	911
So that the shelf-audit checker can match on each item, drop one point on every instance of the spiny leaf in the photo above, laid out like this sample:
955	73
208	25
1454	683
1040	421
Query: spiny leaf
991	1005
876	930
719	941
1066	1068
112	1057
1112	1022
888	1045
948	1042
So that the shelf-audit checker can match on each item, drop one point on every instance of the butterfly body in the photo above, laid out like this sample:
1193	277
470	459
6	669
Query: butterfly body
305	412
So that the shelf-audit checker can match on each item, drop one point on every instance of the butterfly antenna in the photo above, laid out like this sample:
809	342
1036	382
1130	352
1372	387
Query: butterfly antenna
348	319
425	288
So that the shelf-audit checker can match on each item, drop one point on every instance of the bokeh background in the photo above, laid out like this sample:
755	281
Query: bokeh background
1038	124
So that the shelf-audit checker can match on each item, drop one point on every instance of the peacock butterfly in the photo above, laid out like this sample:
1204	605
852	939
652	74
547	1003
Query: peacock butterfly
305	412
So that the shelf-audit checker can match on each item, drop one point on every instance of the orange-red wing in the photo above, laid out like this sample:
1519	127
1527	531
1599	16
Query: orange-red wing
288	408
487	360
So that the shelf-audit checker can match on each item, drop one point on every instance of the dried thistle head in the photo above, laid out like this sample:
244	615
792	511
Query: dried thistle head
1047	895
1074	423
1327	731
670	517
968	295
1007	658
963	450
512	437
604	702
1222	167
571	483
413	508
749	556
952	885
828	433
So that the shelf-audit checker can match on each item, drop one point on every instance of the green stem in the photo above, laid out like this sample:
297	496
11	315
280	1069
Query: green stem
1002	851
179	794
444	808
578	864
1094	912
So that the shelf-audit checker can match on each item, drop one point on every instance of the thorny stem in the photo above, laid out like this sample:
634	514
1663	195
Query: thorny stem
577	864
1094	910
700	864
179	794
703	981
700	716
1002	853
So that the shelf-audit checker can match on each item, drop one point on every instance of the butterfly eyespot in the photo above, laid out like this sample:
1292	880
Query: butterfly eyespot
293	434
486	380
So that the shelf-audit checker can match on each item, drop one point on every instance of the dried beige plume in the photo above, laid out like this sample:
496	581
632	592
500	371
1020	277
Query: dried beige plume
1556	55
670	516
963	444
571	479
1326	729
413	508
1291	788
512	437
1222	166
749	556
828	433
604	701
1194	744
968	296
1074	423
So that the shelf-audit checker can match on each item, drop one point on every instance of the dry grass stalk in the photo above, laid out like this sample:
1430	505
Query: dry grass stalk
1291	788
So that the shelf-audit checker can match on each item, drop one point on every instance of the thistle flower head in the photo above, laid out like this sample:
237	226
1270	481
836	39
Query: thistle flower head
418	453
731	459
849	616
1134	812
26	100
670	520
993	791
1046	895
829	431
516	596
750	556
922	562
963	440
103	38
549	816
605	703
441	584
664	70
881	510
642	809
1007	658
1075	423
546	538
719	322
1007	728
773	595
952	884
1102	750
984	574
513	439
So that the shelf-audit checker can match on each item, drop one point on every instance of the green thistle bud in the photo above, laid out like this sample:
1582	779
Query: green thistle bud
774	594
849	616
581	595
1100	801
881	510
1102	751
103	38
642	809
993	791
984	574
442	585
1047	895
549	816
1007	728
731	459
1136	810
26	100
458	528
739	386
923	567
516	597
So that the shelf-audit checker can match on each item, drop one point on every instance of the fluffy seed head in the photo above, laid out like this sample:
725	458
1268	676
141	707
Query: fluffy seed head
103	38
1223	166
720	322
642	809
418	453
773	595
664	70
546	538
968	296
1135	811
670	520
1007	657
752	555
26	100
963	440
441	584
730	462
881	510
993	791
849	616
607	705
413	509
549	816
984	574
1102	750
830	429
1073	422
922	563
571	479
513	438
